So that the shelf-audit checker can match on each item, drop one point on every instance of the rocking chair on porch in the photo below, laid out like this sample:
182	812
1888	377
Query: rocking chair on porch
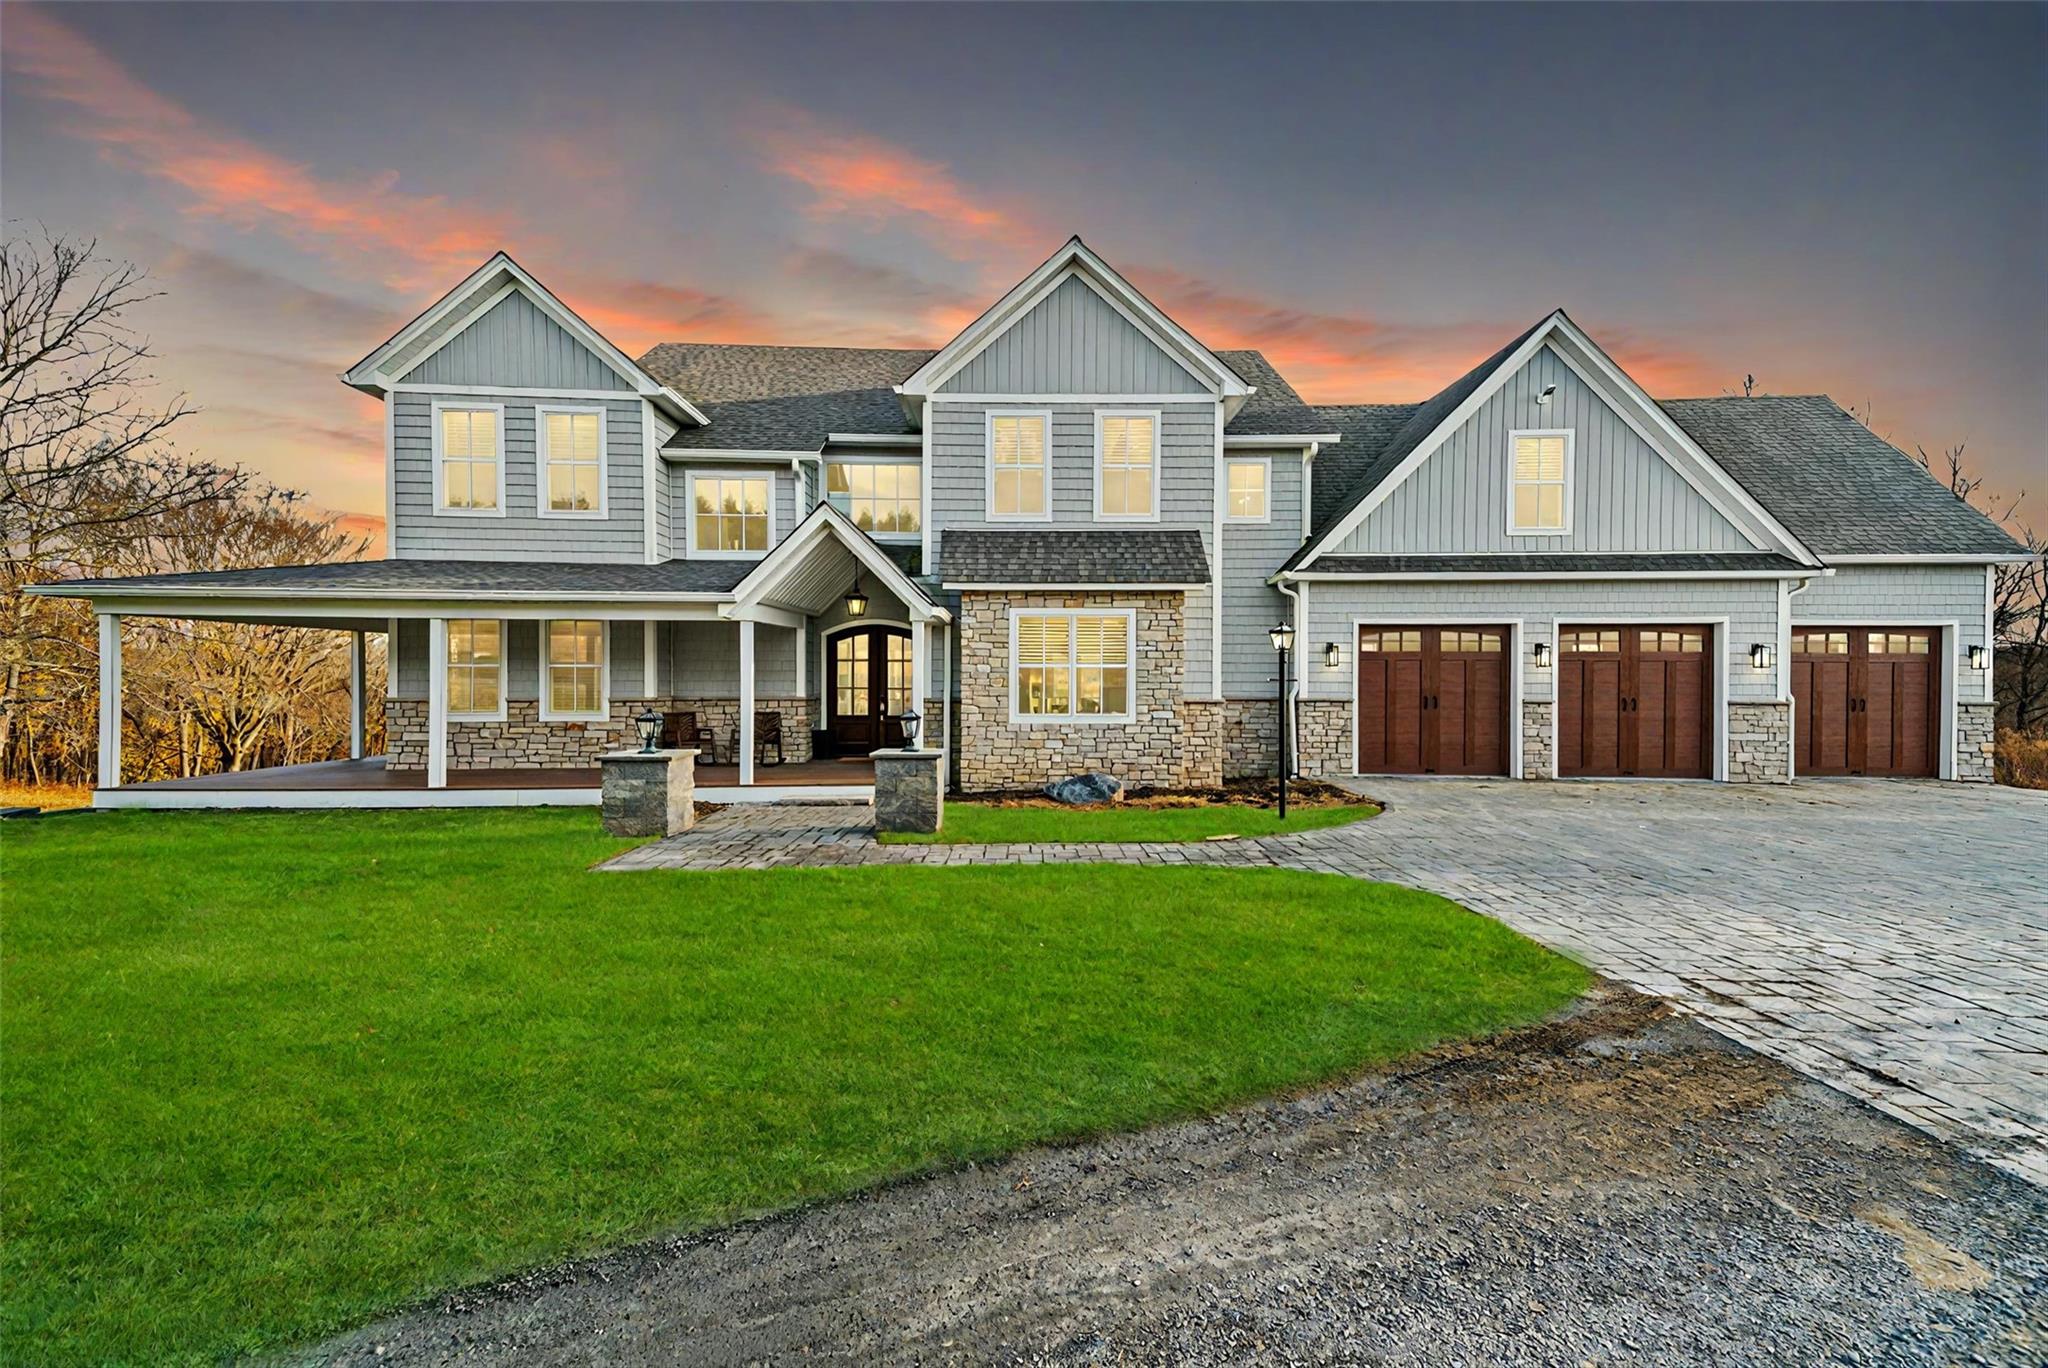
681	729
767	737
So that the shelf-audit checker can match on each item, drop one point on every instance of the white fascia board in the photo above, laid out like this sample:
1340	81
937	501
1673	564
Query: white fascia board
873	439
1940	558
716	455
1378	576
821	522
1290	439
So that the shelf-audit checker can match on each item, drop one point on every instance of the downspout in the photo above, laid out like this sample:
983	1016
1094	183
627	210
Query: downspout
1290	711
1785	674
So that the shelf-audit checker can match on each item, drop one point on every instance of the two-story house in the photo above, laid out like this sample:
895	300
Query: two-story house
1064	538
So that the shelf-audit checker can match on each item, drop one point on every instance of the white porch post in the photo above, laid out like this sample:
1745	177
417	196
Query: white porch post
746	701
110	700
921	674
357	699
946	706
803	658
437	703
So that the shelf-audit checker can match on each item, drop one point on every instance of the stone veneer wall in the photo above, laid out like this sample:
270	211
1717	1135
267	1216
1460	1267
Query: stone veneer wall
1323	732
1539	740
1251	738
1150	751
1975	741
523	741
1759	743
1202	742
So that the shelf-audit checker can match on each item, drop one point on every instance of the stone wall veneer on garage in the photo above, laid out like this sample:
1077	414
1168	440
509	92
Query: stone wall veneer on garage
1759	743
1974	742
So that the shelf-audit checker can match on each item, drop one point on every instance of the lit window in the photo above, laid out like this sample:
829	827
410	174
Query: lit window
730	514
1820	643
1246	481
882	500
1592	640
1017	465
1673	642
1073	665
476	667
572	457
469	459
574	656
1542	472
1470	642
1126	459
1390	639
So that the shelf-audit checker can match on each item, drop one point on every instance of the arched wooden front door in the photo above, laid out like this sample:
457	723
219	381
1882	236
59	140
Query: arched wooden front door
869	672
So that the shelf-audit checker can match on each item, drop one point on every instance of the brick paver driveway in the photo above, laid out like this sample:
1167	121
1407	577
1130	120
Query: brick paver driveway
1889	938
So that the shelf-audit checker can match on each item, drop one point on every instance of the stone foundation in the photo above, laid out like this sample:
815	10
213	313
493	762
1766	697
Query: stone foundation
1975	740
1539	740
523	741
1322	729
1150	751
1251	738
1759	743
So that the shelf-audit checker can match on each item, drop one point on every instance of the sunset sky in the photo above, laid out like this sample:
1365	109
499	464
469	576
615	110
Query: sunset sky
1834	198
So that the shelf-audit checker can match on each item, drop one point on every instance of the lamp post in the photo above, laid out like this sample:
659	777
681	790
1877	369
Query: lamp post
909	721
649	724
1282	636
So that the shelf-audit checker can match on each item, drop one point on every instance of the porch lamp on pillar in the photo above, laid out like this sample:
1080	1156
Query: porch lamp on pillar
649	725
909	721
856	601
1761	655
1282	637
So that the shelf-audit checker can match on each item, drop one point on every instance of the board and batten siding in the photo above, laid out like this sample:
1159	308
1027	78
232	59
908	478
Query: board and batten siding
1624	495
1251	552
1073	342
515	345
1907	595
1751	607
520	533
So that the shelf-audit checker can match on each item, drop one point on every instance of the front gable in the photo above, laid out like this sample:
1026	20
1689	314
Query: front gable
514	343
1624	494
1074	341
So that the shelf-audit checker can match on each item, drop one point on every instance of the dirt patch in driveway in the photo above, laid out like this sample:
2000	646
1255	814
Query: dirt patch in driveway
1616	1186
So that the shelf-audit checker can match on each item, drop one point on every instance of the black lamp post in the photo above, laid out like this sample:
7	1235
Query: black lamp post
649	724
1282	637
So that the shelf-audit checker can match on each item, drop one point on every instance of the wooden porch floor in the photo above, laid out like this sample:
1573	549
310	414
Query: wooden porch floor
370	776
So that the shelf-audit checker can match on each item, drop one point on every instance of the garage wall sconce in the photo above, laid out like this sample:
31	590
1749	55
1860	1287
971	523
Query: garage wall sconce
1332	656
1762	656
1980	659
1542	655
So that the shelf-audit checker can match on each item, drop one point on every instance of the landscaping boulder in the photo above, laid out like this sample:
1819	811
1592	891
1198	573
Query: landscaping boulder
1082	789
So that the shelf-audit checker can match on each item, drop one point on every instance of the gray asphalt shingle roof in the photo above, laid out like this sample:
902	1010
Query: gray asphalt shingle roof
1555	563
461	578
1068	556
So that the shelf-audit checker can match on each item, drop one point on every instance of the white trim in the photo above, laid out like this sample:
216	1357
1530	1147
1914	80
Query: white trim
1066	587
1308	489
541	457
697	552
1951	658
1196	397
924	492
390	476
871	438
1516	645
617	396
1281	441
441	509
1218	483
1718	645
1990	670
1151	514
603	711
437	703
746	729
497	714
712	456
1125	718
391	657
803	661
1265	463
1937	558
822	522
1567	486
358	716
650	661
988	465
1476	576
650	469
110	701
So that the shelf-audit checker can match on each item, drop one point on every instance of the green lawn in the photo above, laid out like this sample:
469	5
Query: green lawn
971	823
267	1075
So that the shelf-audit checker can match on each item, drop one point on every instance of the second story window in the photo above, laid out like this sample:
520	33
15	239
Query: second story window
882	500
1019	466
467	468
1126	465
1246	494
572	460
729	515
1542	483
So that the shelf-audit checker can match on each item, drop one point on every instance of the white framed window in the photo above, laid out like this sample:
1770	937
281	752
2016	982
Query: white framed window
1019	466
1248	490
881	499
732	514
1072	666
476	670
571	461
573	687
469	464
1127	465
1540	482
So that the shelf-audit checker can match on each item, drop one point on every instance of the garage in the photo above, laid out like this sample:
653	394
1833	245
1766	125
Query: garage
1866	700
1635	702
1433	700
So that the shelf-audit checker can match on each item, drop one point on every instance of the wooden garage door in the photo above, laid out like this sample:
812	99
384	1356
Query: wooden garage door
1635	701
1866	700
1432	700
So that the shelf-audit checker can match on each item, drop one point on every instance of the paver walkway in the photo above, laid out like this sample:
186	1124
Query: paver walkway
1888	938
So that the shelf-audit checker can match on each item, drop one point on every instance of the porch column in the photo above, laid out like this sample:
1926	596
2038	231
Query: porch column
437	703
110	701
921	677
803	657
746	701
358	700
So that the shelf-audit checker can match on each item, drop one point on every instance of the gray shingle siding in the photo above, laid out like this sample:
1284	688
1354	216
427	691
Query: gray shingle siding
1579	563
1907	595
1073	342
516	345
1251	552
520	533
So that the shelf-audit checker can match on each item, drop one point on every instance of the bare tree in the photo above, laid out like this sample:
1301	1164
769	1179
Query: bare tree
2019	596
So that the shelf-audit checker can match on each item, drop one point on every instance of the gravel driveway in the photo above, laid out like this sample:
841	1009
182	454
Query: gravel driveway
1619	1187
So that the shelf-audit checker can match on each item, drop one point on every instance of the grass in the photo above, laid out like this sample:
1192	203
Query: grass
991	823
268	1075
